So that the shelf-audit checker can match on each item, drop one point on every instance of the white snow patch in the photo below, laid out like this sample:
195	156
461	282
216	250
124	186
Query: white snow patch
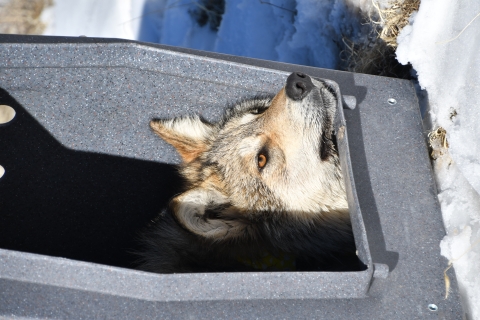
93	18
448	68
169	22
366	6
307	32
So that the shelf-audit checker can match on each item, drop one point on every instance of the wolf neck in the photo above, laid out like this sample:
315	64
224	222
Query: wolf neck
325	194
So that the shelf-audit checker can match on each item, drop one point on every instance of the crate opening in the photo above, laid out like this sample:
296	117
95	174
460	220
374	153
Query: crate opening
81	205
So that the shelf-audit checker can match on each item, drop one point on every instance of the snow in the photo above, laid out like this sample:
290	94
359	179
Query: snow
296	31
93	18
444	56
448	67
169	22
274	33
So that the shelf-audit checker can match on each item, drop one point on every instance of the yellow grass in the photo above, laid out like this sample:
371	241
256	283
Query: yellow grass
393	19
23	16
376	55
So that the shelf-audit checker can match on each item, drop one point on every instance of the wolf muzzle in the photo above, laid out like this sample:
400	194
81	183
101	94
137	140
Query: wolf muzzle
298	86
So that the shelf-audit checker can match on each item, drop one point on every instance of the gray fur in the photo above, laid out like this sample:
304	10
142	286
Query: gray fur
231	209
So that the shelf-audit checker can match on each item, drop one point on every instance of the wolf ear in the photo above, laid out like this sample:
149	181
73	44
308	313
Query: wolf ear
206	213
189	135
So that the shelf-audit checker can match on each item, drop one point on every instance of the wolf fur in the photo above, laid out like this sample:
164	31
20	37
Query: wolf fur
264	179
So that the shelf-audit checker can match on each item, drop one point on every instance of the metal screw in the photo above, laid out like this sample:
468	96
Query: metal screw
392	101
2	171
432	307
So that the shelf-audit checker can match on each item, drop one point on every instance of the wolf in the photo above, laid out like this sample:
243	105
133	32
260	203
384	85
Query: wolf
263	188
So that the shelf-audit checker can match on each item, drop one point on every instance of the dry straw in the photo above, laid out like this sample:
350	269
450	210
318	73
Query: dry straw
439	134
393	19
22	16
376	54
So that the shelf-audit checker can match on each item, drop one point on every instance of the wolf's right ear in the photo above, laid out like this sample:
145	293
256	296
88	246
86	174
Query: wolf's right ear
189	135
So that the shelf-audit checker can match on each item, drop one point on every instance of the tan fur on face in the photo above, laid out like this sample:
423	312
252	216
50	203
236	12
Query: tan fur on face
296	179
223	176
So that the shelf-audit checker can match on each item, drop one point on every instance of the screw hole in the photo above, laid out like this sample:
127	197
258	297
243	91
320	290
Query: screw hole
7	113
392	101
432	307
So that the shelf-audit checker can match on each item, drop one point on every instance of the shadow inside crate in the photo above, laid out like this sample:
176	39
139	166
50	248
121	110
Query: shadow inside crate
73	204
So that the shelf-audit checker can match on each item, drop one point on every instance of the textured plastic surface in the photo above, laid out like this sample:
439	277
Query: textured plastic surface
81	128
82	113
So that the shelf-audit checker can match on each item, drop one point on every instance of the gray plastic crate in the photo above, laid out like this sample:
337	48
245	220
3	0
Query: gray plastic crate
83	174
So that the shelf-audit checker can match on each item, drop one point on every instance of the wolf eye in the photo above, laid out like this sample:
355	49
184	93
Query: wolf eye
258	110
261	160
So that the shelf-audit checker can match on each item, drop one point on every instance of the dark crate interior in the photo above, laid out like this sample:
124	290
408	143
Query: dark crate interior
79	205
90	206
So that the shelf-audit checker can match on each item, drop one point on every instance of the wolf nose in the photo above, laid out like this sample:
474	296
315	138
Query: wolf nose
298	86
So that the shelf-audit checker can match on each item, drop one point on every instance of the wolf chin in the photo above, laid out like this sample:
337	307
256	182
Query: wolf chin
265	181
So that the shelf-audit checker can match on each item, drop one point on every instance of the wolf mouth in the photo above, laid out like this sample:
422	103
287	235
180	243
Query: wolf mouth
328	87
298	87
316	97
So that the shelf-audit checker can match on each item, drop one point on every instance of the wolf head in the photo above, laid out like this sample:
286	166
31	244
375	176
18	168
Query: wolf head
269	158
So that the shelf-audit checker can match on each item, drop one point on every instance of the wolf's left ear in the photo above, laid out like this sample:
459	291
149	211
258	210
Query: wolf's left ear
207	213
189	135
